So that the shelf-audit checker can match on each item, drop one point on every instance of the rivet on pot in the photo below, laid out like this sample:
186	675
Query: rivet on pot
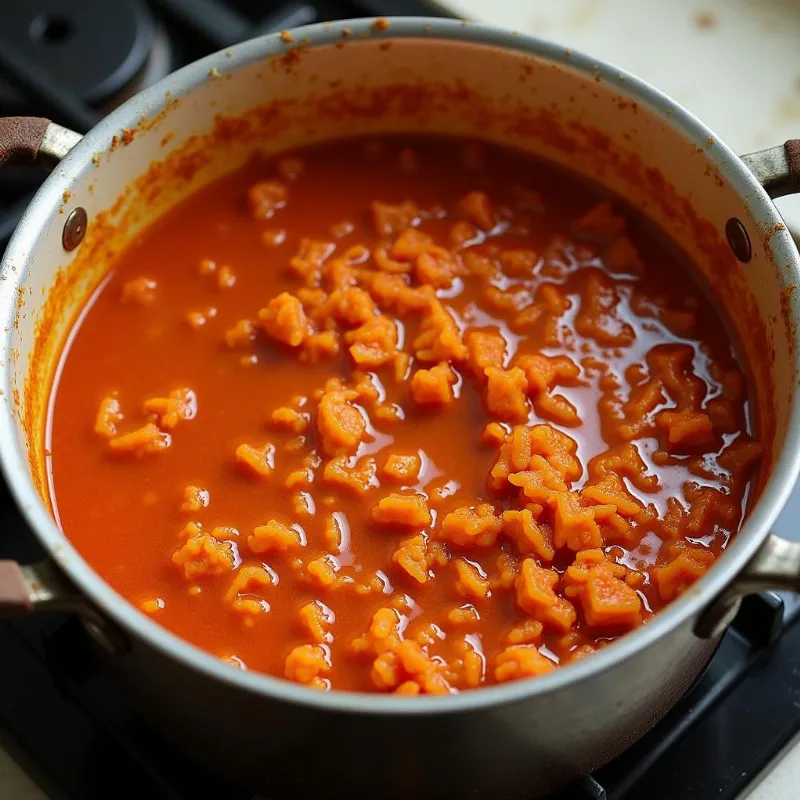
738	240
74	228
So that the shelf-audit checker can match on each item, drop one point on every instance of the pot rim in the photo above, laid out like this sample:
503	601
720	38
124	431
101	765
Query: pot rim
148	103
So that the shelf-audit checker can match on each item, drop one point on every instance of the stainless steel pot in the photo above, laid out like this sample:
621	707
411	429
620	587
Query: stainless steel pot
365	76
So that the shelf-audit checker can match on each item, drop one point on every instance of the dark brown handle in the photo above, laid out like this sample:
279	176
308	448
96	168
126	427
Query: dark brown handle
21	139
792	148
777	169
15	594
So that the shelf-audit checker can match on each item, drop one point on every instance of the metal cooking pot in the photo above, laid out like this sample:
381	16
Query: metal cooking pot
438	76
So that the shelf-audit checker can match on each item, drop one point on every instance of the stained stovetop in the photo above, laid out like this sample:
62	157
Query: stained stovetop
59	715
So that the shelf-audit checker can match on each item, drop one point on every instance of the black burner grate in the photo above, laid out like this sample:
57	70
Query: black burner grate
74	60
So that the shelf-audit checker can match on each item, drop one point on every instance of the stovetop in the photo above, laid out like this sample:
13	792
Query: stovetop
73	61
60	716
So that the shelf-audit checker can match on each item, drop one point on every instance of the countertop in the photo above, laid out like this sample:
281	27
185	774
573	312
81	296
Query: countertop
14	783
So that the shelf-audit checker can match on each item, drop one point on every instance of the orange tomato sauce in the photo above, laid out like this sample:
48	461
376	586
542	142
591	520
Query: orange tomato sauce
400	415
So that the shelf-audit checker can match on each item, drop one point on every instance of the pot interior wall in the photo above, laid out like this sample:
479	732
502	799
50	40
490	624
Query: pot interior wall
593	125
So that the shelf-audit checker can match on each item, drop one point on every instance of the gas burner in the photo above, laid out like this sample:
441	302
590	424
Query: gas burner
158	64
101	52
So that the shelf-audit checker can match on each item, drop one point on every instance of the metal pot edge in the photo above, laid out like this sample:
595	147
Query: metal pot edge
148	104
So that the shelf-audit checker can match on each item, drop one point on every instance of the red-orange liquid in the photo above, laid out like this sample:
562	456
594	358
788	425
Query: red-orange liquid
123	512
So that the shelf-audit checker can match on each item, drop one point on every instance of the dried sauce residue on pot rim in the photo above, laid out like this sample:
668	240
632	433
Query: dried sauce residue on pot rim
406	101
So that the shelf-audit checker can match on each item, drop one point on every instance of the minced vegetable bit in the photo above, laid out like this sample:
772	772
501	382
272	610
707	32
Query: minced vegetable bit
442	417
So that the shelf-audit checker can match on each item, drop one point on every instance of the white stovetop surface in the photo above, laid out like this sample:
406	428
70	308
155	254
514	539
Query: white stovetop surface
734	63
14	783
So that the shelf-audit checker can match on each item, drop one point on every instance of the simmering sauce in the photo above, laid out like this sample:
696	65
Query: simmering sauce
400	415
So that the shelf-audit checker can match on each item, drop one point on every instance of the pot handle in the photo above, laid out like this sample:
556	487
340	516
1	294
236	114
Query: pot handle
44	587
777	169
34	140
776	566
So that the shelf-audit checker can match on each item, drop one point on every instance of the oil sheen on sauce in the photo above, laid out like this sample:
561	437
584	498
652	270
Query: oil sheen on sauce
406	415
